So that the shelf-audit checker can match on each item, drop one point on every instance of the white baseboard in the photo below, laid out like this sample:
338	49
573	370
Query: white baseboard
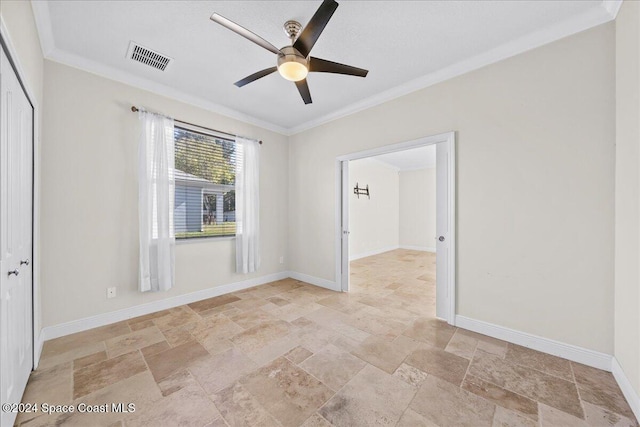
373	252
51	332
39	342
323	283
632	396
418	248
577	354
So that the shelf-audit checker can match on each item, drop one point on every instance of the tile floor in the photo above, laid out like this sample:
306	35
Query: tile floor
290	354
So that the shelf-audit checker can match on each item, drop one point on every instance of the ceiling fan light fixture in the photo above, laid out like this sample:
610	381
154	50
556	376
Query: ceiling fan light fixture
291	65
293	71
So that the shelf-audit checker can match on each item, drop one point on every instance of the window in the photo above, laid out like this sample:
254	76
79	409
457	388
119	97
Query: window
205	185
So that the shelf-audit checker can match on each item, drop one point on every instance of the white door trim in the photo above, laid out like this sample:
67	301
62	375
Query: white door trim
13	56
448	138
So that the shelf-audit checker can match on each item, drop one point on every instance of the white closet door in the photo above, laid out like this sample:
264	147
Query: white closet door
16	195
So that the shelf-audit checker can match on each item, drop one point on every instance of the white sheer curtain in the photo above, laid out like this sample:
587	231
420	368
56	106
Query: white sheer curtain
156	187
247	205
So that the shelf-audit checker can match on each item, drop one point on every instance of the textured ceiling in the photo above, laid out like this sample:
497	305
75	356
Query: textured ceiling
405	45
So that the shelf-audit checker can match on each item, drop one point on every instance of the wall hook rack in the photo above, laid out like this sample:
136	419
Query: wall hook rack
361	191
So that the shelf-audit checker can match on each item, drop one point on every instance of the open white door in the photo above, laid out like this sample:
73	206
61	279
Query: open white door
16	195
344	221
445	255
445	216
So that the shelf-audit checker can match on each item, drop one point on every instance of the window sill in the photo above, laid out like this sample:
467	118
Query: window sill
203	240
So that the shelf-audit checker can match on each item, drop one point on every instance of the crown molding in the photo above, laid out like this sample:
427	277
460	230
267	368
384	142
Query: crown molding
612	7
42	16
52	53
531	41
127	78
597	16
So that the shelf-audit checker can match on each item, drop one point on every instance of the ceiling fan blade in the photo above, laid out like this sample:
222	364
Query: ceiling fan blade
312	31
303	88
244	32
255	76
323	66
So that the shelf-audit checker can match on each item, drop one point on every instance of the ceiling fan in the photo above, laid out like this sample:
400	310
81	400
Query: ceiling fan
294	62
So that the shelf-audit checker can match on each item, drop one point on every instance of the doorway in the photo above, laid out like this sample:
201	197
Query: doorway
16	237
445	216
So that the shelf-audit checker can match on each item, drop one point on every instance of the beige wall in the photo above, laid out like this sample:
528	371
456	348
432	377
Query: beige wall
535	168
373	221
418	209
627	179
89	198
23	35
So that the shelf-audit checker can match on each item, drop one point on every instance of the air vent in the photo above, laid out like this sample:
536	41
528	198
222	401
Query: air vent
148	57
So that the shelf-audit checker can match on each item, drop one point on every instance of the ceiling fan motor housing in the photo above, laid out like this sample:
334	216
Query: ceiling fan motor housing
291	64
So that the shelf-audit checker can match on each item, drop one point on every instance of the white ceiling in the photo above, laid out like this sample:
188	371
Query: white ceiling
406	45
412	159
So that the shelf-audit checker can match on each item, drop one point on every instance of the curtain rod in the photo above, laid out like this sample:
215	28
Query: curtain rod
136	109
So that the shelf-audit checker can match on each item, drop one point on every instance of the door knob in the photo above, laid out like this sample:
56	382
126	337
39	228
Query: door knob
14	272
24	262
441	238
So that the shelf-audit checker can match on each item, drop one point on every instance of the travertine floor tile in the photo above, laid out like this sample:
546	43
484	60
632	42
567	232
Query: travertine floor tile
53	359
155	348
546	363
133	341
260	335
435	361
316	420
249	319
175	359
333	366
597	416
210	303
287	392
217	372
410	375
485	343
411	418
498	395
188	406
383	354
250	304
81	362
107	372
53	385
81	339
178	316
528	382
431	331
298	354
552	417
215	328
601	389
372	397
239	408
506	418
462	345
447	405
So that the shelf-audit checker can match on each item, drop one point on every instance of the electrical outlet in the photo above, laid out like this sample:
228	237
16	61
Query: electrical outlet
111	292
281	260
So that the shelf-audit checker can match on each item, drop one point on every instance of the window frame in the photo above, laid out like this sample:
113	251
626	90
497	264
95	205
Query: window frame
205	132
